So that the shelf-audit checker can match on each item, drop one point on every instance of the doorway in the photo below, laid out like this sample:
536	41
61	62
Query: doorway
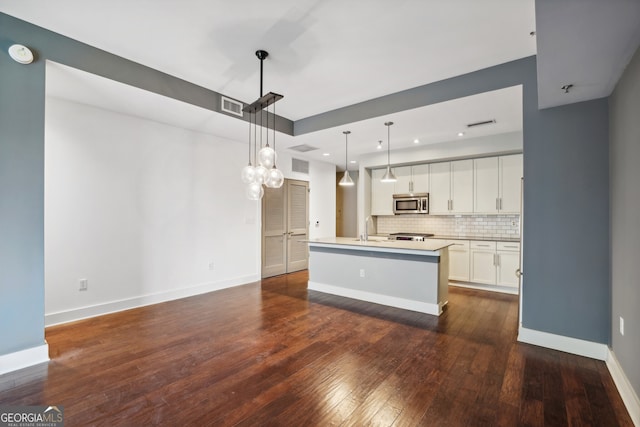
285	228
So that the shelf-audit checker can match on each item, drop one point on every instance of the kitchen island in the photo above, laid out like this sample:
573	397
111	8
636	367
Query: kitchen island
404	274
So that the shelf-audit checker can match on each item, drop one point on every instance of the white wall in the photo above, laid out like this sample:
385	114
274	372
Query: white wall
140	209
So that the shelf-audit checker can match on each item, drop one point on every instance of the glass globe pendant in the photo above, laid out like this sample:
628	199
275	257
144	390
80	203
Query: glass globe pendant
254	191
267	157
275	178
248	174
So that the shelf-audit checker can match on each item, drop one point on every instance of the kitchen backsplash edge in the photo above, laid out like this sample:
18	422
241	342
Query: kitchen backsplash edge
457	226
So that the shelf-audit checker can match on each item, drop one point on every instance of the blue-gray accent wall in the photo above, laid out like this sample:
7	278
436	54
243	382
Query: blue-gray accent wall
566	253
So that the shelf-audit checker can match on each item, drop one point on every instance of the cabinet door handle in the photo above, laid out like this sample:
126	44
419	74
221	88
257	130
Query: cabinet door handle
500	207
497	204
518	273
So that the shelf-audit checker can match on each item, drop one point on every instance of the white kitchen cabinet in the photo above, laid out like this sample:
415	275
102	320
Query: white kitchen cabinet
494	263
508	261
412	179
381	194
483	262
511	173
459	260
497	184
439	188
451	187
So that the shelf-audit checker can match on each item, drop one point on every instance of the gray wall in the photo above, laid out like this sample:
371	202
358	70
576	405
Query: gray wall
566	236
564	291
624	112
21	203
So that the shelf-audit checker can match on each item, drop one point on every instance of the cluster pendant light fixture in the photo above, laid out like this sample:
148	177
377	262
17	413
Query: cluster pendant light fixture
388	175
346	179
263	169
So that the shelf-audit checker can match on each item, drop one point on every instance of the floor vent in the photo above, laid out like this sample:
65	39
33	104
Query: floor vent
300	166
486	122
231	106
303	148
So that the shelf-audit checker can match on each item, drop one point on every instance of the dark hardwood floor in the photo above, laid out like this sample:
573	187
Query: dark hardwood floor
273	353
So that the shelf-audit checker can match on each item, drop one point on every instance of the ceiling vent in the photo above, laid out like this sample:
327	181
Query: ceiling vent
303	148
301	166
231	106
486	122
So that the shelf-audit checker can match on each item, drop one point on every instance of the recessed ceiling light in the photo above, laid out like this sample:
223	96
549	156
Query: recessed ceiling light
326	154
460	133
352	161
416	141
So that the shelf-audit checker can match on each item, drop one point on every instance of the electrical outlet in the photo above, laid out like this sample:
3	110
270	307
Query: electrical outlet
84	284
362	272
621	326
211	265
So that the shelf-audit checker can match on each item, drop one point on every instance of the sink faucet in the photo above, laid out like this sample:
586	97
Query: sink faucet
366	228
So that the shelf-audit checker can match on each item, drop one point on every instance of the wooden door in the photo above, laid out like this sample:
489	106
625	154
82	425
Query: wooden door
285	228
297	225
274	232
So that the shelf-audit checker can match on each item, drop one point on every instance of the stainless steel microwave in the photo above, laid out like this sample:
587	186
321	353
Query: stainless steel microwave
417	203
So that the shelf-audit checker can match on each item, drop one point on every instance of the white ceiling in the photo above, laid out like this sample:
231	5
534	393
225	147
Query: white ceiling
327	54
324	54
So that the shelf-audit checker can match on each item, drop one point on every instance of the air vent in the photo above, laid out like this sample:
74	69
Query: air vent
486	122
303	148
301	166
231	106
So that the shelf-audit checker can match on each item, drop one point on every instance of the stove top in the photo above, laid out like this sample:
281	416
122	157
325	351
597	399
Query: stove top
410	236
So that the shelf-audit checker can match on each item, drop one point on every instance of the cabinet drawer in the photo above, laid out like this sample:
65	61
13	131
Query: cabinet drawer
487	246
508	246
459	245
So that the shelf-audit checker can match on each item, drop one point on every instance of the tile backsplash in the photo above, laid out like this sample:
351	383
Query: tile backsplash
464	226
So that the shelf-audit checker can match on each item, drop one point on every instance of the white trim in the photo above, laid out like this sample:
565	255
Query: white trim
57	318
421	307
629	396
481	287
24	358
567	344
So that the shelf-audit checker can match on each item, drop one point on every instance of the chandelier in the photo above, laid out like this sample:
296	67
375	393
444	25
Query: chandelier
261	170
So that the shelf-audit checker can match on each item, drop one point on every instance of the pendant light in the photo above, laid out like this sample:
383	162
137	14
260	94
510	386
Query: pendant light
388	175
263	170
346	179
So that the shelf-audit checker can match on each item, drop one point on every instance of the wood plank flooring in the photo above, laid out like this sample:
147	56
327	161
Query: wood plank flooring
273	353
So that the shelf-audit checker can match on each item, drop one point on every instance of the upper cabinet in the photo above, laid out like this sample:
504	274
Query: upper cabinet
412	179
489	185
451	187
497	184
381	194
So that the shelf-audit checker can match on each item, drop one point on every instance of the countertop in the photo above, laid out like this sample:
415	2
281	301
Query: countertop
481	239
381	244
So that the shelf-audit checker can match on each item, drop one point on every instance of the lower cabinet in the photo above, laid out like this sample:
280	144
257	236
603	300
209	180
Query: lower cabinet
483	262
494	263
459	260
508	257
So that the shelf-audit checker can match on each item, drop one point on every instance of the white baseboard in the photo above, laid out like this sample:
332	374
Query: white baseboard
568	345
628	394
57	318
24	358
421	307
481	287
